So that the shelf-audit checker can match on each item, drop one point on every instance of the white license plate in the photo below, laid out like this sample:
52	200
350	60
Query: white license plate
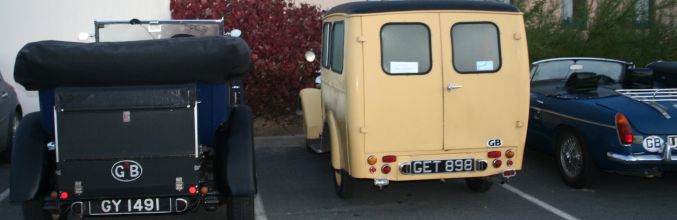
672	141
130	206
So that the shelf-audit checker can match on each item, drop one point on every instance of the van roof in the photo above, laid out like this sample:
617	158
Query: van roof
365	7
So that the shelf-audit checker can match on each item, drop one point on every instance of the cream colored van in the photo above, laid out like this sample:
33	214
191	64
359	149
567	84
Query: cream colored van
421	90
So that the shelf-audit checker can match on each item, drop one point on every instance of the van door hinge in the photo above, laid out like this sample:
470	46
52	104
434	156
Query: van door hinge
517	36
361	39
363	130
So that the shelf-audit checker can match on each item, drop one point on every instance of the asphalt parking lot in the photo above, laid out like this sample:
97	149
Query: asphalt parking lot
295	184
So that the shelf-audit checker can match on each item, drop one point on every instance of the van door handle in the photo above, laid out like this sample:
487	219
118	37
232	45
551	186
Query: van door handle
5	94
540	101
452	87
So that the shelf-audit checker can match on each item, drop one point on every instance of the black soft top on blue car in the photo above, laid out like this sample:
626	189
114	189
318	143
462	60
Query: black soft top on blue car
47	64
365	7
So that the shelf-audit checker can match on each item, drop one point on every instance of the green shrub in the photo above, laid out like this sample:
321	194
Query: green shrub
611	30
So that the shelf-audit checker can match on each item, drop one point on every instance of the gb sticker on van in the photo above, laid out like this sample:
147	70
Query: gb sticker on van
495	142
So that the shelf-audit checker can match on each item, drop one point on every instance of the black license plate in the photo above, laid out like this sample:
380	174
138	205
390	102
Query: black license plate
439	166
130	206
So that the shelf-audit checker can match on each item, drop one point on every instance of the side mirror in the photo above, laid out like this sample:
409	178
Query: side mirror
235	33
639	78
83	36
310	56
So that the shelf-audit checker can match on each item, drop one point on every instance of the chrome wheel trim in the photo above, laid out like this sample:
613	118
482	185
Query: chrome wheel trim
571	157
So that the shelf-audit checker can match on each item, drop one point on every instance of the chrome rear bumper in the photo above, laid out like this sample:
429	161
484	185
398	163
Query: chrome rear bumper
665	158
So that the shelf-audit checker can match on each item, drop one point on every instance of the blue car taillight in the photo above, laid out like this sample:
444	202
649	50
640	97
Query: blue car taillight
624	130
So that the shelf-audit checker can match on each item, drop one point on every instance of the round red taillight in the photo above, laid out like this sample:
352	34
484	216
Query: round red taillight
372	169
497	163
64	195
509	162
192	190
385	169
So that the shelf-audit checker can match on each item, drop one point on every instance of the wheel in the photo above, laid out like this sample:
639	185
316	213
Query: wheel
32	210
343	184
241	208
575	166
13	125
479	185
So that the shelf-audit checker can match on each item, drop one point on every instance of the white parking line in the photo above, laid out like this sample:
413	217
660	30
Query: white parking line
259	211
540	203
4	195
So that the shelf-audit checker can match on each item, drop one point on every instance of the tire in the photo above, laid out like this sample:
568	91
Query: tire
479	185
573	160
32	210
241	208
13	125
343	182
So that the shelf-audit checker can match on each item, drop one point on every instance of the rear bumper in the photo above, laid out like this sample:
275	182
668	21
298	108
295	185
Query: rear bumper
404	165
666	157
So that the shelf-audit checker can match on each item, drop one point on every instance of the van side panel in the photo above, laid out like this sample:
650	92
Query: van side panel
334	96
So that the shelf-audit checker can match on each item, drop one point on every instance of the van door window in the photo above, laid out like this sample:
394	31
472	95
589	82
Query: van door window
325	44
476	48
405	48
337	47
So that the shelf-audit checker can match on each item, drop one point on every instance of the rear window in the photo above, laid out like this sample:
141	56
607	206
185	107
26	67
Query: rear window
562	69
337	47
405	48
476	47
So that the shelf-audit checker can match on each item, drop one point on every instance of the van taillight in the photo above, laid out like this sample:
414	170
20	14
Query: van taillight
389	158
385	169
494	154
623	128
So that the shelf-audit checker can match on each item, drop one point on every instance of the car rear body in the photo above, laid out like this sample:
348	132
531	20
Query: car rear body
400	90
593	116
137	127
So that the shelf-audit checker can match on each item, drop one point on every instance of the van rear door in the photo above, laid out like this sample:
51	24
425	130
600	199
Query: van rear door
402	78
482	80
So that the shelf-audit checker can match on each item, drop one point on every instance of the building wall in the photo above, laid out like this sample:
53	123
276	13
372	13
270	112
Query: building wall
35	20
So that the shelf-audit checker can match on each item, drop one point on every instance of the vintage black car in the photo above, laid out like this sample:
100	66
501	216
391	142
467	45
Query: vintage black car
10	115
135	127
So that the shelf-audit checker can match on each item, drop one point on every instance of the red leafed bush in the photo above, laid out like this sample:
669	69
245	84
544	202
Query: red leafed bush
279	33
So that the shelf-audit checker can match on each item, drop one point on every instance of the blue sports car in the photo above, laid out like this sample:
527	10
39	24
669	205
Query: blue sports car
604	114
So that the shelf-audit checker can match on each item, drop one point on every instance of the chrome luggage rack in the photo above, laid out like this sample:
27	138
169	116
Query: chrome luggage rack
650	95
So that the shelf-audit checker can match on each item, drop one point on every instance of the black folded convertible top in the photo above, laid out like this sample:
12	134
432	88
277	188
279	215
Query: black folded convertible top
47	64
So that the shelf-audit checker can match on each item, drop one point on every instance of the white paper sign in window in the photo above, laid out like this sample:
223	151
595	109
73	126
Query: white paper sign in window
485	65
403	67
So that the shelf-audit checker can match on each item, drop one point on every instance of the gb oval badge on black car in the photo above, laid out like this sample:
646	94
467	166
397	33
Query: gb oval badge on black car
126	170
